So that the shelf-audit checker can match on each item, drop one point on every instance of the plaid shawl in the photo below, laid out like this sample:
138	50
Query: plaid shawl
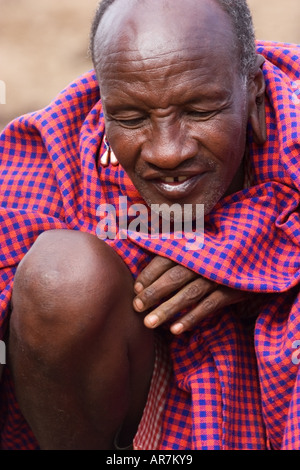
233	386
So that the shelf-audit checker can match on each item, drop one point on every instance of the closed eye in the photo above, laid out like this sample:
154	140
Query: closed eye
201	115
132	123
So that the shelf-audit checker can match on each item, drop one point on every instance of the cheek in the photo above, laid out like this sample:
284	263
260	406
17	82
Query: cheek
229	142
124	147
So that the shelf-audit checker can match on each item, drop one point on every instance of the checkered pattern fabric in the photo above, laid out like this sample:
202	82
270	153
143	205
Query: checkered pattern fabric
148	436
232	387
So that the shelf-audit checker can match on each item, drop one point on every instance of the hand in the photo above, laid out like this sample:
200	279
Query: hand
164	279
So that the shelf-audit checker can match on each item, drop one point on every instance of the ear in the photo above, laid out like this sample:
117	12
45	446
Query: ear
257	112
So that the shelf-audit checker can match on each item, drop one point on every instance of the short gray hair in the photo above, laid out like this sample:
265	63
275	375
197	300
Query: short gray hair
241	18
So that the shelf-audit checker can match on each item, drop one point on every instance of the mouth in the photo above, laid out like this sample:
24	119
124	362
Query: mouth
177	187
175	180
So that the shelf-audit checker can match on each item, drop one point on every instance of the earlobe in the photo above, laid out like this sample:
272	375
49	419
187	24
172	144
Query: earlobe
257	111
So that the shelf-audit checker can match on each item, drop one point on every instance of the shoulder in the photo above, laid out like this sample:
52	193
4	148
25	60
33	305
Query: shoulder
280	54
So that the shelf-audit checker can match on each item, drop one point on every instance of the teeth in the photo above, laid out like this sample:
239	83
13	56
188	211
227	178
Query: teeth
169	180
179	179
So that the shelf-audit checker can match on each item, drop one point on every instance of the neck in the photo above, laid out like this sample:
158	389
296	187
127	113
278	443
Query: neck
237	183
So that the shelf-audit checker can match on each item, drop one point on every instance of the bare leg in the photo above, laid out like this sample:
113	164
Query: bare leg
81	357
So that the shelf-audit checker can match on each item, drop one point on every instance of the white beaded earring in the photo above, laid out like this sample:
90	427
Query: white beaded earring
108	156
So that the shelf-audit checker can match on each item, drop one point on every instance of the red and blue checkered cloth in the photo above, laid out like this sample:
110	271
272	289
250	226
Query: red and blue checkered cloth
233	386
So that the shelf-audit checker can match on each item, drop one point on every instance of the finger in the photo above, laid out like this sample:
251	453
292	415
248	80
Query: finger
186	297
152	272
169	282
220	298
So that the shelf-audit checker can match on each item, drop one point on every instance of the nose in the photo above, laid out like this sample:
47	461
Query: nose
169	146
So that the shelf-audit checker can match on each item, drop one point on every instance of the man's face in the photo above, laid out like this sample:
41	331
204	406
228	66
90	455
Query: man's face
175	105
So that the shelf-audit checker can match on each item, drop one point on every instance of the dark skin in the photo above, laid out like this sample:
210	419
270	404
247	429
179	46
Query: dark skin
162	277
176	111
80	357
201	148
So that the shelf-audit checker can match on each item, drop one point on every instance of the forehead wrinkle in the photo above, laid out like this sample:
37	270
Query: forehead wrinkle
132	62
125	56
167	81
144	44
171	56
172	74
162	63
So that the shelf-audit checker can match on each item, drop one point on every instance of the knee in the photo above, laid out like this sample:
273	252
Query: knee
67	285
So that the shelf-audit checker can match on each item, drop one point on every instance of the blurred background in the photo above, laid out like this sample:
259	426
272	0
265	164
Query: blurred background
44	45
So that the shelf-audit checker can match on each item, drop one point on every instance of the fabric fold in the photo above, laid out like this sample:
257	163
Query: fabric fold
233	388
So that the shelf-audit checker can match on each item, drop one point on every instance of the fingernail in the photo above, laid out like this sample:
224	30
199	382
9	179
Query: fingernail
138	287
151	320
138	304
177	329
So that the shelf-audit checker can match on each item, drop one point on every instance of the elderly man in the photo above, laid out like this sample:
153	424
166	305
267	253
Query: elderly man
139	342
